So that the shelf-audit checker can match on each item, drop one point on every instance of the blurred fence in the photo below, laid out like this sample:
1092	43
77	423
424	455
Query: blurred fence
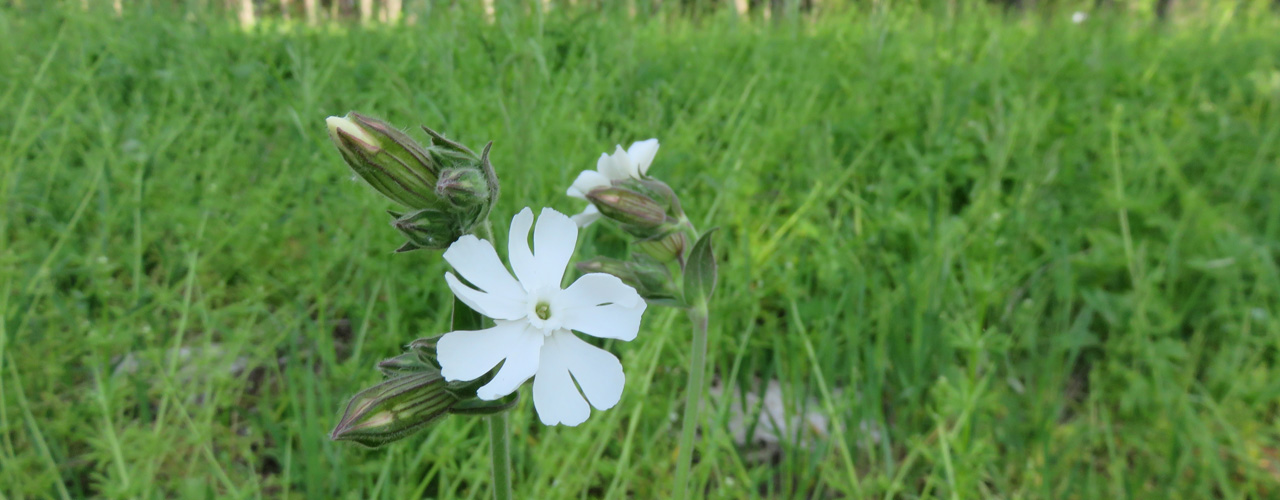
248	12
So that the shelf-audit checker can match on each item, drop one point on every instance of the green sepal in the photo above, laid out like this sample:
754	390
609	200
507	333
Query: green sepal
408	246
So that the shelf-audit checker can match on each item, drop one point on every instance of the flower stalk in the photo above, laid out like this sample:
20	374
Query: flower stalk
500	454
499	431
620	191
693	400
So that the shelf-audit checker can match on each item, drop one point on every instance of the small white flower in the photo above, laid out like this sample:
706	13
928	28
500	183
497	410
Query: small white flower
534	318
1079	17
620	166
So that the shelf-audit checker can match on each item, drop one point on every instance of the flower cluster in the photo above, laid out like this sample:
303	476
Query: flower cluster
534	323
513	326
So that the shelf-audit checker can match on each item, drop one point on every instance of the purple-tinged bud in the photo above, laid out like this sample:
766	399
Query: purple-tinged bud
428	228
463	187
442	175
629	208
390	161
395	409
404	364
659	191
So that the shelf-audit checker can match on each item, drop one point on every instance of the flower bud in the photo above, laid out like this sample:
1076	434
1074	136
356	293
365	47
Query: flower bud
386	158
651	279
428	228
607	265
443	175
463	187
394	409
629	208
404	364
659	191
666	246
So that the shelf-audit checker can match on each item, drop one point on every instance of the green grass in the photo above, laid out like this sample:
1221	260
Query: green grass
1041	259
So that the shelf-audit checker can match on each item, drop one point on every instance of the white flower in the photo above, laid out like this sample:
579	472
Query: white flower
534	318
620	166
1079	17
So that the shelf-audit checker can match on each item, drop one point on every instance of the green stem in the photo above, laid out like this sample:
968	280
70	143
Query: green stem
693	400
500	452
499	436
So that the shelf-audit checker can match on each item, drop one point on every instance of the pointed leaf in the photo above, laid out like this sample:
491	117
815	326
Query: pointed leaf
700	272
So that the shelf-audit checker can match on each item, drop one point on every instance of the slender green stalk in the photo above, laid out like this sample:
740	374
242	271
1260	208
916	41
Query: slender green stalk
500	453
499	436
693	400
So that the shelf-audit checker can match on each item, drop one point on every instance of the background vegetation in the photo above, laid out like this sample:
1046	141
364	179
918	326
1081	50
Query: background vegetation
1006	255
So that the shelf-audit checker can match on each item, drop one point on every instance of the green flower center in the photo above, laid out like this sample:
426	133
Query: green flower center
543	310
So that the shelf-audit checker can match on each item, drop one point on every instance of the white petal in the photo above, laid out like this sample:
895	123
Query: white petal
554	395
616	167
466	355
587	181
492	305
642	154
601	305
476	260
523	352
554	239
518	250
598	288
598	372
587	217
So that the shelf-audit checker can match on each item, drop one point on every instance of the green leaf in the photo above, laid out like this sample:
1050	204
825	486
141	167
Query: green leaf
700	272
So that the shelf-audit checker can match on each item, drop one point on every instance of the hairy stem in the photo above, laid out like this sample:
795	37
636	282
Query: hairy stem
500	452
693	400
499	436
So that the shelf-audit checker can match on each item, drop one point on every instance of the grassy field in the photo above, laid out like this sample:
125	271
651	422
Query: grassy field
1008	257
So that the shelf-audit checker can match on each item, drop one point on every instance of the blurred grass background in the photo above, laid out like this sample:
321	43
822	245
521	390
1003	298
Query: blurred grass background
1007	255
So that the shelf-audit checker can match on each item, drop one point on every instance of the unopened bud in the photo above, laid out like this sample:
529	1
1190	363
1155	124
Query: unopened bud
390	161
428	228
651	279
667	246
394	409
463	187
641	213
404	364
659	191
608	266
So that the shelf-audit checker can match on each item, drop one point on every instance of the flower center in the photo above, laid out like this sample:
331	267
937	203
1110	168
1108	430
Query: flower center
541	312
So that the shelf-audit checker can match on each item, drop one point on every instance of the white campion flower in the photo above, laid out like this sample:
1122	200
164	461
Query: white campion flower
535	320
620	166
1079	17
